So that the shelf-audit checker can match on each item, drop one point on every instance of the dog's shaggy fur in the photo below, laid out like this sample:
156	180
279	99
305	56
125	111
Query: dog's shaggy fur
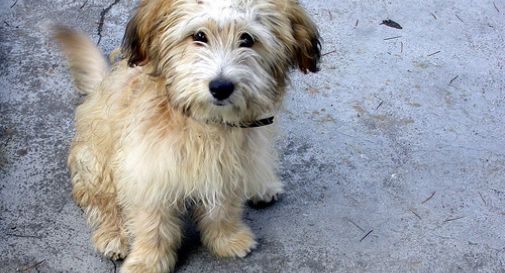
150	137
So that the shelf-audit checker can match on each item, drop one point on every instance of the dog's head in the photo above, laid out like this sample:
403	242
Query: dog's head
222	60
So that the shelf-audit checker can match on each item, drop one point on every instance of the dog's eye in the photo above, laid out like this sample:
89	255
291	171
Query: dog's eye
246	40
200	37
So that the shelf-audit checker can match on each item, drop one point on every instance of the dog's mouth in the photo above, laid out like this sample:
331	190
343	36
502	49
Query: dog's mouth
220	103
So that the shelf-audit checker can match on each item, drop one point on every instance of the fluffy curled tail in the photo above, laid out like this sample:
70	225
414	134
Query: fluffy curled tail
87	63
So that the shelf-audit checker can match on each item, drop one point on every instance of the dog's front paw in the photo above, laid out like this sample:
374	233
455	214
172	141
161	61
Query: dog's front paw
114	247
237	244
149	263
269	196
133	268
137	268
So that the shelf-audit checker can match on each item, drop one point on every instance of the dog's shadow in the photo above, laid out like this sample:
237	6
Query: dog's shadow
190	243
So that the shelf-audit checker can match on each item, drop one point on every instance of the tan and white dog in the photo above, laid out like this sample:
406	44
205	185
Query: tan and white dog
181	119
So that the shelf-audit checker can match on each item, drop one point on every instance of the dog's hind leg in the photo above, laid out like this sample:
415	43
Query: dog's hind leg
94	191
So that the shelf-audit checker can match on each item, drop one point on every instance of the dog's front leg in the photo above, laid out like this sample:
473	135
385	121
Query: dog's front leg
157	236
223	231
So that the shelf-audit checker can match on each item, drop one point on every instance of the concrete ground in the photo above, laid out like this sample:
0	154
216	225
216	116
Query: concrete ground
393	155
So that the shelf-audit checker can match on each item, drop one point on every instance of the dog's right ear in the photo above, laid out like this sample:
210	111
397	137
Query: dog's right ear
307	47
141	30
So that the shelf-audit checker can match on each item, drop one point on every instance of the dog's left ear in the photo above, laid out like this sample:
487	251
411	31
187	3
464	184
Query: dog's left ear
307	46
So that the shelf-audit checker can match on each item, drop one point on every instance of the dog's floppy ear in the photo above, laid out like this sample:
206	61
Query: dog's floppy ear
140	31
308	46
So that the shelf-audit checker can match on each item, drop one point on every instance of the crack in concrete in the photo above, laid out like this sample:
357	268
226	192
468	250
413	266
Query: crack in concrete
115	267
102	19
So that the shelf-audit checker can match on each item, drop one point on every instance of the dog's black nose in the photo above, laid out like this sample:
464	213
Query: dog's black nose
221	89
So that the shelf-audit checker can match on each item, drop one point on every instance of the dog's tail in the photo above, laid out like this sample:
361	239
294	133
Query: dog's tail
87	63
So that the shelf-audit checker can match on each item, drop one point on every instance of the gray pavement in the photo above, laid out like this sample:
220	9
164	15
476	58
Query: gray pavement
393	155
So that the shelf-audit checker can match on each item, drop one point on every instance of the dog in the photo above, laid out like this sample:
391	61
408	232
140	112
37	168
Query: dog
183	118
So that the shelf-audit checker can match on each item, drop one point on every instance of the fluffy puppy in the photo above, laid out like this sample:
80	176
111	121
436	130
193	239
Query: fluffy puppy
181	119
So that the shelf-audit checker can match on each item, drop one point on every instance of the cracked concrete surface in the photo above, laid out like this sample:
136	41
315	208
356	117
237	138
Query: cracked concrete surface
104	13
393	155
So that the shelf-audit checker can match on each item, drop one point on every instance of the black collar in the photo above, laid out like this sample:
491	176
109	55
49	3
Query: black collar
253	124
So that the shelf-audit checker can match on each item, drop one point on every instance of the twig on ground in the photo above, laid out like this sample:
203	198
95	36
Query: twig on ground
28	268
392	38
22	236
429	198
453	79
494	4
415	213
356	225
379	106
434	53
453	219
328	53
482	198
366	235
84	4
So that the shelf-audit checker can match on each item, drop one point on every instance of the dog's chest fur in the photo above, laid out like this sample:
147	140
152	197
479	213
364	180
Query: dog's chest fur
172	157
